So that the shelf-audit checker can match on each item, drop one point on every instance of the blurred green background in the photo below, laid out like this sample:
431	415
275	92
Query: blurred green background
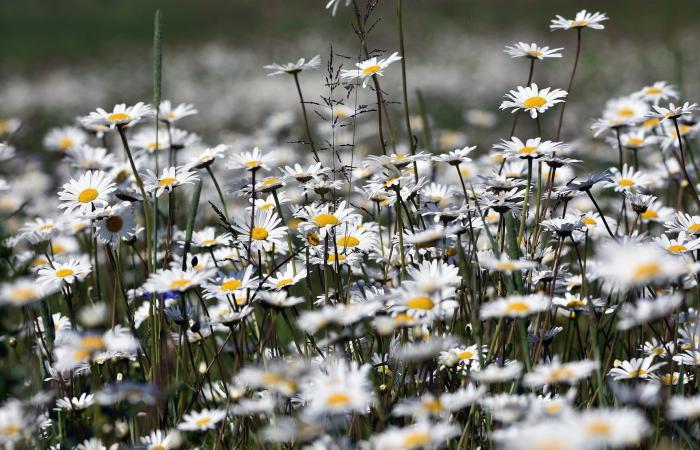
37	33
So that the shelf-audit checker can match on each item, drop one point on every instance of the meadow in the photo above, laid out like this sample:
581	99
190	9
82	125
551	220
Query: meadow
349	224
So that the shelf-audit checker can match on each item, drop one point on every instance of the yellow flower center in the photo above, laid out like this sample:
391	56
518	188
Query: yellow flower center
323	220
649	214
625	112
534	53
209	242
403	318
118	117
635	141
637	373
88	195
253	163
434	406
465	355
517	307
10	430
653	91
231	285
158	447
338	399
348	241
579	23
259	234
416	439
166	181
284	282
177	284
203	421
676	248
421	302
561	373
331	258
598	428
62	273
114	224
371	70
65	143
646	270
650	123
505	265
23	294
270	181
527	150
694	227
535	102
625	182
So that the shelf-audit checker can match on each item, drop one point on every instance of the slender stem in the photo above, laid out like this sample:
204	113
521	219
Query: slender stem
306	117
571	82
683	168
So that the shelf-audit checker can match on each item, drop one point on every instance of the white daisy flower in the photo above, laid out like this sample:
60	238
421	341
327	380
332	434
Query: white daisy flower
532	51
64	138
514	306
294	68
90	191
583	19
532	99
121	115
61	273
171	178
170	114
369	68
206	419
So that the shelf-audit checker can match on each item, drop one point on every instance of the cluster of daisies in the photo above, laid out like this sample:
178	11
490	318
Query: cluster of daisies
330	283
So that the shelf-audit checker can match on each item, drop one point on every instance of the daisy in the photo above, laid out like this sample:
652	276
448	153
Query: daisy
341	388
433	277
684	222
175	280
625	111
229	284
171	178
22	292
672	111
456	156
168	114
206	419
532	51
647	310
160	440
533	99
61	273
280	299
611	427
303	175
635	368
627	180
116	223
505	264
583	19
121	115
660	90
678	246
420	435
443	405
683	408
91	190
76	403
64	138
207	238
532	148
91	158
293	68
324	217
462	356
265	233
285	278
350	237
514	306
251	160
557	372
206	157
369	68
628	264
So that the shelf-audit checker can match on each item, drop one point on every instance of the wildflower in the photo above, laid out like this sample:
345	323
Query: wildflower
294	68
682	408
205	419
65	138
285	278
627	180
456	156
171	178
76	403
170	114
505	264
206	157
672	112
22	292
532	51
660	90
533	99
160	440
251	161
207	238
175	280
89	191
611	427
557	372
647	310
678	246
60	274
265	231
494	373
116	223
340	388
369	68
514	306
583	19
635	368
121	115
420	435
532	148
